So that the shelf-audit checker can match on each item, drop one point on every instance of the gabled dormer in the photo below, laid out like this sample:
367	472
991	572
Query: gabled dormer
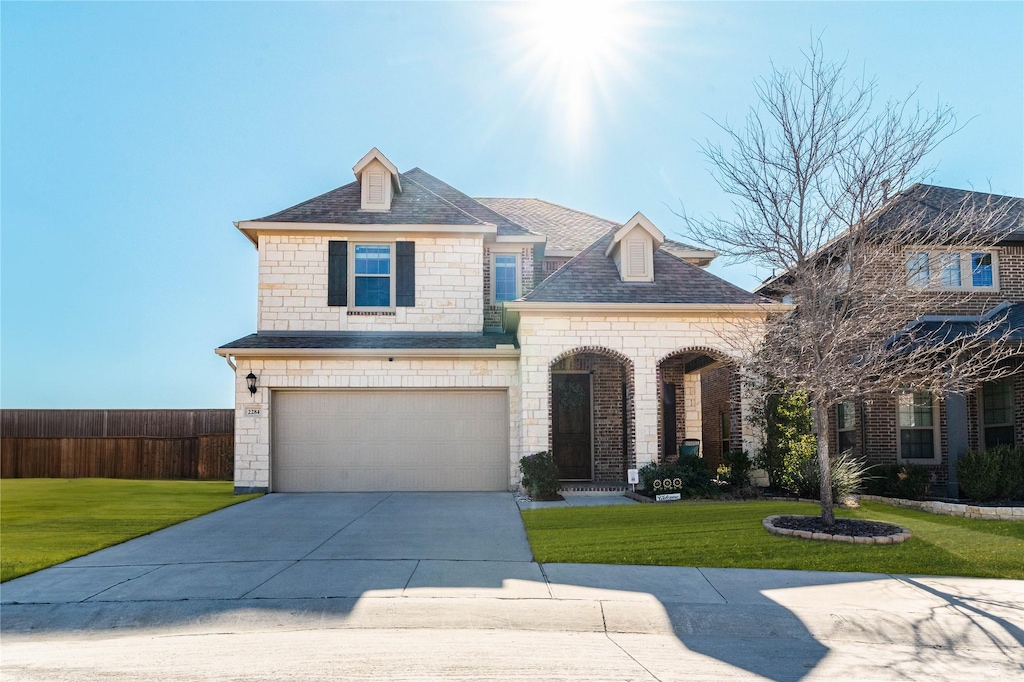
632	248
378	181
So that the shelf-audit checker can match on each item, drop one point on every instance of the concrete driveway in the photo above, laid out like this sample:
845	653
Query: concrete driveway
415	586
303	546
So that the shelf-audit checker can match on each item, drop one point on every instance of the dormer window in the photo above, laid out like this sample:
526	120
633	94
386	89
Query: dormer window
632	248
379	181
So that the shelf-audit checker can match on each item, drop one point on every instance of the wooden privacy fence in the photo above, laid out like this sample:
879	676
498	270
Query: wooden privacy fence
160	444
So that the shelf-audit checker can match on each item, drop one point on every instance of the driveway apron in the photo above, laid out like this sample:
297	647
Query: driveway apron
302	546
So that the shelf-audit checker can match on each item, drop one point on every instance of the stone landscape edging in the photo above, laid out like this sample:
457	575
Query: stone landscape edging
894	539
968	511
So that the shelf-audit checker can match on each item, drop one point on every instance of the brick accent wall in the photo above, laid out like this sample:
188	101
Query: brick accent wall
877	435
672	371
607	378
492	311
548	266
293	286
719	393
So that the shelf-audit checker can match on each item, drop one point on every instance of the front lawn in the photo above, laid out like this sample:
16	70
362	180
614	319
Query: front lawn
729	534
44	521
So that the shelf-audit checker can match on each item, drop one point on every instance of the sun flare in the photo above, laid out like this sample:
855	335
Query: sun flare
572	49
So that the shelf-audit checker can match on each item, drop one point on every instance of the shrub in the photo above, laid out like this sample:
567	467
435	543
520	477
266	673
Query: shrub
906	481
736	470
848	476
996	474
789	443
540	476
689	476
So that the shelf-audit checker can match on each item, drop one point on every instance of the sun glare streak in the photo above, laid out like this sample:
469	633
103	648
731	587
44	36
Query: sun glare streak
572	50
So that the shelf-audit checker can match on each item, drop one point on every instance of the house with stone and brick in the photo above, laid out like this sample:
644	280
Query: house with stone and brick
410	337
969	289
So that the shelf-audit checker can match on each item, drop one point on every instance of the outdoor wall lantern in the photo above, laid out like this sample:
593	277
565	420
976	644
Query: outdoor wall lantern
251	380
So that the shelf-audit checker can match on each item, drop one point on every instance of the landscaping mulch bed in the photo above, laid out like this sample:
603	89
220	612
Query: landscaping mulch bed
852	527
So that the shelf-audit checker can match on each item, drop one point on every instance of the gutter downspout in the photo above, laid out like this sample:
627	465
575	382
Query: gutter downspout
231	364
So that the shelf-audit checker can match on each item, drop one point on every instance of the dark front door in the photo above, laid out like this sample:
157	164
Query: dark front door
570	426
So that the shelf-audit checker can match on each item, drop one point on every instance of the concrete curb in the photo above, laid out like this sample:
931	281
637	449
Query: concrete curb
894	539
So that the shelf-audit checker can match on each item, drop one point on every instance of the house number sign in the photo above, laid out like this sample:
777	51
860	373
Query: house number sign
252	412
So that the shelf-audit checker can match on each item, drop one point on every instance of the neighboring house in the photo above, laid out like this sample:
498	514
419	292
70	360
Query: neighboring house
935	431
410	337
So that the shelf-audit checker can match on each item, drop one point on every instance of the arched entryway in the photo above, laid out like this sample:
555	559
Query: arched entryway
698	402
590	415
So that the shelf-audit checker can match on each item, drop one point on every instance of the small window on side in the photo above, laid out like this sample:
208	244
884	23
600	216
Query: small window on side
506	277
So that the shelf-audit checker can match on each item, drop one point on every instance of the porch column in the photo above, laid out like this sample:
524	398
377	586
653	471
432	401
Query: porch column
533	367
752	434
692	407
645	401
956	438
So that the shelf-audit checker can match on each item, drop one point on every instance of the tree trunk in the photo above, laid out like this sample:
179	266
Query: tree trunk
828	514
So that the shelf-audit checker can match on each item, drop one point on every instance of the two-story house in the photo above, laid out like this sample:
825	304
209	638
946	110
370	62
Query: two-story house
410	337
966	289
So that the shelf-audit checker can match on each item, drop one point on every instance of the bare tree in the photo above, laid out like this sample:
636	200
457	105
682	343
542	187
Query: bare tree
821	177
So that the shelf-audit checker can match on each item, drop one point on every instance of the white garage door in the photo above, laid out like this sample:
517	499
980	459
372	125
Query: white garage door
389	439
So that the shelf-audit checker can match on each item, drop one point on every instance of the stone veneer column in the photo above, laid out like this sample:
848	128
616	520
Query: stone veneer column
252	433
645	401
692	406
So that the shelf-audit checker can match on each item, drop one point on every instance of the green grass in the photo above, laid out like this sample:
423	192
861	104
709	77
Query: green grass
44	521
730	534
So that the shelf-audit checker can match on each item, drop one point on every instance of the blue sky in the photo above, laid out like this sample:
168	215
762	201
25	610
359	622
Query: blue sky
133	134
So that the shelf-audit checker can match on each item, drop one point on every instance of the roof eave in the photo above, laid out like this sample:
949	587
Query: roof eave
648	308
253	228
370	352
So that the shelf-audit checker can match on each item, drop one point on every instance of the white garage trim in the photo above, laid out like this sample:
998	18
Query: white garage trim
350	440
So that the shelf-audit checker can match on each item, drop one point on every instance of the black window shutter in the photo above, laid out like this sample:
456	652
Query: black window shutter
337	273
405	271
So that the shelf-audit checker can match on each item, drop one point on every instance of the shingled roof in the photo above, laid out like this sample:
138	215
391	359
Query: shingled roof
506	226
424	200
926	203
592	277
1003	323
565	228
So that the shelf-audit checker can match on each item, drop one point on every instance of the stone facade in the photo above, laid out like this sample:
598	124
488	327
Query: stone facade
641	341
293	286
252	432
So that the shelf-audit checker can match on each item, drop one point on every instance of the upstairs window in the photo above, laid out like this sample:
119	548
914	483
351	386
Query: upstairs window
952	271
372	274
981	270
918	426
506	277
918	272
